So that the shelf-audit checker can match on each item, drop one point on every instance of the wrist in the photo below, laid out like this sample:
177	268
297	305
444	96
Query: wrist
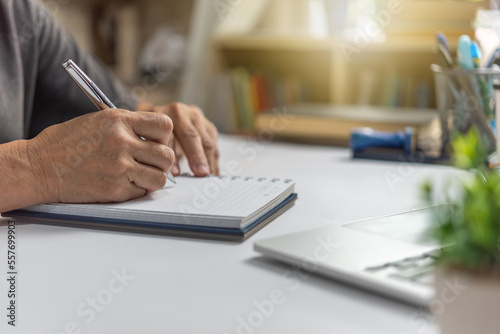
20	182
41	177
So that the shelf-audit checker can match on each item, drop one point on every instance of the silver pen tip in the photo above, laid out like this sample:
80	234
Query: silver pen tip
170	177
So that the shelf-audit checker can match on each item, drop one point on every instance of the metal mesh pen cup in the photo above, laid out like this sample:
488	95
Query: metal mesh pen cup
466	98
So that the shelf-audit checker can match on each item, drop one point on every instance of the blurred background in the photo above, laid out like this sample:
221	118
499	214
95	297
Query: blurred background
241	59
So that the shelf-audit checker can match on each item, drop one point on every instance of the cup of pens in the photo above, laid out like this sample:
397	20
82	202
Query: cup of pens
466	98
465	95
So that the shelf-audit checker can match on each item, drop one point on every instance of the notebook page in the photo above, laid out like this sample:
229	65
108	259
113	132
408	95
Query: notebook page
210	201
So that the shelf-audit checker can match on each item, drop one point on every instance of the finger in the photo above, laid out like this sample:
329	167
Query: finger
148	178
154	154
152	126
171	143
175	170
120	190
209	135
132	191
210	147
179	153
215	160
190	141
175	167
217	168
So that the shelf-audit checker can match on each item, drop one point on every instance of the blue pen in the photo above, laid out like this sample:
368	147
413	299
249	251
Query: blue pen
441	39
476	55
494	56
485	86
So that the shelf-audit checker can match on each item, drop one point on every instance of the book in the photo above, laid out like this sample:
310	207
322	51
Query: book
226	208
367	86
255	90
392	91
243	97
324	123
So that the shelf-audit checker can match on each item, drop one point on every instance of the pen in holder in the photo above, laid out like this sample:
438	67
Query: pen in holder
466	98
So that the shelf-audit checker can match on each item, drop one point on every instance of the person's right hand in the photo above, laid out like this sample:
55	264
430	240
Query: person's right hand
100	157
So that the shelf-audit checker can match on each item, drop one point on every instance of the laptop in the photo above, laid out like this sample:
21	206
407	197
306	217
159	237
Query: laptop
388	255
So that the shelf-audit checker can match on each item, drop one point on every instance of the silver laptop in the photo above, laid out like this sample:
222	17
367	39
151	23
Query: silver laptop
389	255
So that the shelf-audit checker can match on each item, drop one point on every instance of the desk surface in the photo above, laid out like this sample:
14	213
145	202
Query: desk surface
67	277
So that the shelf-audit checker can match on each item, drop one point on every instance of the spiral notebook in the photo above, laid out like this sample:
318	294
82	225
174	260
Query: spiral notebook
231	208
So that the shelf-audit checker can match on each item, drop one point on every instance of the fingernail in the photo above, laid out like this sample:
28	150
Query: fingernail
202	169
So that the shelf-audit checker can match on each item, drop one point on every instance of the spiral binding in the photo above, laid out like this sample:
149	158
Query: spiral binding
246	178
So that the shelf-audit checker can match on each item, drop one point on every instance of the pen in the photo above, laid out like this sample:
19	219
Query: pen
444	58
485	88
466	62
463	53
476	54
441	39
495	55
93	92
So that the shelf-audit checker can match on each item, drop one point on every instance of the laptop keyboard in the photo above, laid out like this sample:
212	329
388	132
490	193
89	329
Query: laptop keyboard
418	269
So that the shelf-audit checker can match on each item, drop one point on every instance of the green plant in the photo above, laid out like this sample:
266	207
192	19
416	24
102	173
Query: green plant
470	225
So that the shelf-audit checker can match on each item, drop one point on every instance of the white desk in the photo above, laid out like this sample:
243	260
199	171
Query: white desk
197	286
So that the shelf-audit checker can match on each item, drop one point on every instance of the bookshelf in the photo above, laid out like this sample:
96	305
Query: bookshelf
394	73
306	59
324	70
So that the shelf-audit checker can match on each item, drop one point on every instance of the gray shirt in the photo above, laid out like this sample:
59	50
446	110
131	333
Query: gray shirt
35	91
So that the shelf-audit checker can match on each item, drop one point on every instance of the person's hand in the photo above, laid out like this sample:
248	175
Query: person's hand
100	157
195	136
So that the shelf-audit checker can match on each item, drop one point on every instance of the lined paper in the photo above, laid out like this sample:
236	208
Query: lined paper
223	201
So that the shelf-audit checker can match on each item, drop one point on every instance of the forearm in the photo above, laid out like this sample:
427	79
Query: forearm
19	185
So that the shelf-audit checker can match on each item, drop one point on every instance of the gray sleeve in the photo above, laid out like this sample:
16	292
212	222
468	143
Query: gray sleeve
57	98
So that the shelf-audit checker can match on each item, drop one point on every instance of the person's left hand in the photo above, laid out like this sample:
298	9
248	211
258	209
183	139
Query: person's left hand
194	136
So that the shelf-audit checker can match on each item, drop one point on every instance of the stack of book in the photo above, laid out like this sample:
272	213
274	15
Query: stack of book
392	89
240	94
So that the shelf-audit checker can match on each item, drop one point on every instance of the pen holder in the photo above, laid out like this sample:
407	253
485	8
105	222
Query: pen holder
466	98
